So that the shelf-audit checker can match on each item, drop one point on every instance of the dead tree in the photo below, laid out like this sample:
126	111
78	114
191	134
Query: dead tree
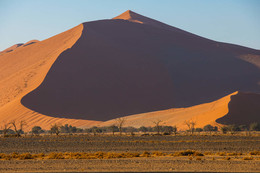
191	125
5	128
158	125
55	128
119	123
18	127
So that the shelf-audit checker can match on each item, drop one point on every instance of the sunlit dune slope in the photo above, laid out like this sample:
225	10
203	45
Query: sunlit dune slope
23	70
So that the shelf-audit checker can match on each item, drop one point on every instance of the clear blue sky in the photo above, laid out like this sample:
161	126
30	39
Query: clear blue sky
232	21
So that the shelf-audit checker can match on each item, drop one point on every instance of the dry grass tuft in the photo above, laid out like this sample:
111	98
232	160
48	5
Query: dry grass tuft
198	158
188	153
55	156
248	158
157	153
254	153
146	154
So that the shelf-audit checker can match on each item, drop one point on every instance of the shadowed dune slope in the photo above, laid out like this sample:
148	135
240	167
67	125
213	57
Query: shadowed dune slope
244	108
119	67
23	70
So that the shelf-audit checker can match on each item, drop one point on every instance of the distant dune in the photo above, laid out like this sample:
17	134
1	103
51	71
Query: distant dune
127	66
12	48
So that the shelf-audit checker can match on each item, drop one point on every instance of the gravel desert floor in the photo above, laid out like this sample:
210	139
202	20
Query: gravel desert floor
221	153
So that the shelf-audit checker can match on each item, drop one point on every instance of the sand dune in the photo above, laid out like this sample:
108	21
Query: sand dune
101	70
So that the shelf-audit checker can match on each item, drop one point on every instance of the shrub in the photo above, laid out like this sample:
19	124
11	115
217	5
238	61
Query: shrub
157	153
254	126
254	153
226	158
198	158
208	153
55	156
234	154
37	130
248	158
210	128
224	129
25	156
145	154
198	130
143	129
188	153
222	153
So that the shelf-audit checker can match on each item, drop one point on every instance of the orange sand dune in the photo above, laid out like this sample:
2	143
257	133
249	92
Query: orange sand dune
23	70
101	70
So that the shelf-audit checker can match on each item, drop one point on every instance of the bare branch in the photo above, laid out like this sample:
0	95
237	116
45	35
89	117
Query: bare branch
120	123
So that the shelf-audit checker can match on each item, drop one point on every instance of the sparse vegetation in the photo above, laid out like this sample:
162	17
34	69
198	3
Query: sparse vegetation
108	155
157	126
188	153
55	128
36	130
209	128
18	127
254	126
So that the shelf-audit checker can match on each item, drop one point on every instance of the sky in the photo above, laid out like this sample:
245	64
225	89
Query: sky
231	21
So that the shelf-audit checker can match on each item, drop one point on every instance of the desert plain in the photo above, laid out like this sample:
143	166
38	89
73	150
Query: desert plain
86	153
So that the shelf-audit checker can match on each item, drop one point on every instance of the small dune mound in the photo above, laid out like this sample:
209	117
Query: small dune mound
12	48
30	42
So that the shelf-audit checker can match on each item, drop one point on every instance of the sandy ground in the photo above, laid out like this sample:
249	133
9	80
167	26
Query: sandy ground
168	144
136	164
